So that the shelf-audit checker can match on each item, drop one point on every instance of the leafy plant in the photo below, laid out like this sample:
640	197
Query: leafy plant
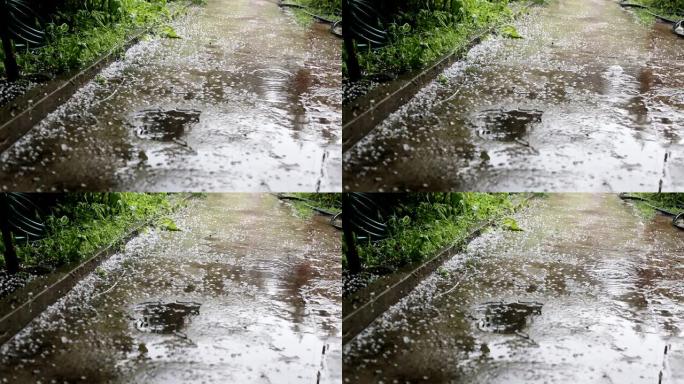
169	32
417	226
418	32
510	32
511	224
168	224
77	32
80	224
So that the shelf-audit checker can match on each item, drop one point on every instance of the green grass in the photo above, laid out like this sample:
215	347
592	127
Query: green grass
419	231
329	9
673	202
328	201
420	39
670	9
84	223
79	38
673	8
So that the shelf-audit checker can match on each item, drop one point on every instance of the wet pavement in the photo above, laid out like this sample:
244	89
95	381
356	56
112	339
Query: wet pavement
588	292
588	100
246	99
245	293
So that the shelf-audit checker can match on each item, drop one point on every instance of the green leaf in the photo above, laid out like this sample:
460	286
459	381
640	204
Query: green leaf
510	32
169	32
510	224
168	224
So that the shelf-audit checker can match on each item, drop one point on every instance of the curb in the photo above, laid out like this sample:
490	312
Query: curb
355	322
51	95
363	123
23	314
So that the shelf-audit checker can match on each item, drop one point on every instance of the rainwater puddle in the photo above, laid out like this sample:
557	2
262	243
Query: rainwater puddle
269	94
500	317
501	125
610	90
611	291
165	318
160	125
245	292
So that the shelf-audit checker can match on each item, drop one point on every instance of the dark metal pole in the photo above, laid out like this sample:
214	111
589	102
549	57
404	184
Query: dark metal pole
353	68
353	261
11	66
11	260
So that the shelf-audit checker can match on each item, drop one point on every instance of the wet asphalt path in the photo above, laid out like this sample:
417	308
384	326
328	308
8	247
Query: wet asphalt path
244	293
246	99
588	100
589	292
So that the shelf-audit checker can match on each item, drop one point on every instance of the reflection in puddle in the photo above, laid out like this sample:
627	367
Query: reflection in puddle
497	124
500	317
274	84
156	124
165	318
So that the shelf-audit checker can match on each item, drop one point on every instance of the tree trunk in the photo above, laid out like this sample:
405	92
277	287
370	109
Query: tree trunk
353	68
11	66
11	261
353	261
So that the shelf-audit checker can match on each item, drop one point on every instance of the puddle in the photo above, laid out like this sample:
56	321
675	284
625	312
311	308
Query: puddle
610	91
500	317
269	287
609	281
497	124
269	92
165	318
157	124
274	83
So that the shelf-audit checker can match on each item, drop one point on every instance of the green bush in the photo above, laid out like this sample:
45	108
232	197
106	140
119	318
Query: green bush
422	224
324	200
420	32
333	7
668	201
79	32
83	223
675	7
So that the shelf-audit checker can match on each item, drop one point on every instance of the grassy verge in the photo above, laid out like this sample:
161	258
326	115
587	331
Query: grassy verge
329	9
419	229
331	202
83	223
417	40
672	202
75	39
671	9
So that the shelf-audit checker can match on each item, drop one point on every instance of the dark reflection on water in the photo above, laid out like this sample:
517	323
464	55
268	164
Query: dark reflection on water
157	317
500	317
156	124
506	125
